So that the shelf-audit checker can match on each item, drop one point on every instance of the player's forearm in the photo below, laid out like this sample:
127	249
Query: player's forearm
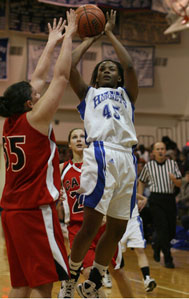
80	51
140	188
140	197
120	50
63	63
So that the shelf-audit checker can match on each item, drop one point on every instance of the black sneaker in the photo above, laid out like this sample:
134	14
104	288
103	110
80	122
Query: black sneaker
68	287
156	256
156	250
170	265
88	289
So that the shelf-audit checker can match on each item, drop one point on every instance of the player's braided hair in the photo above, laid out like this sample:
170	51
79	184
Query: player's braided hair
120	71
12	102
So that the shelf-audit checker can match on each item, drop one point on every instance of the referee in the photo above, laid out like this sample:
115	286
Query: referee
162	175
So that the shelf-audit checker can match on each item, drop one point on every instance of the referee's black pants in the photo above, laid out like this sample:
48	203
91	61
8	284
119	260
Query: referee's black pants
163	211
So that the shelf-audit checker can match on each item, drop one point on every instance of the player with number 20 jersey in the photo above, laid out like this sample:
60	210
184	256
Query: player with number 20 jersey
70	178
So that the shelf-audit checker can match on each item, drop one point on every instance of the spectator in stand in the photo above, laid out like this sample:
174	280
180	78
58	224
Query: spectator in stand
185	151
182	163
143	153
172	146
151	154
183	197
185	222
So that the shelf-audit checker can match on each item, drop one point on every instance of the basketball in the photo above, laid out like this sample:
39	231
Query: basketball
91	20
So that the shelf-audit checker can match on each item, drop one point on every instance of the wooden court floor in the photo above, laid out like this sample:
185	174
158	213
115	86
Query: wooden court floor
171	283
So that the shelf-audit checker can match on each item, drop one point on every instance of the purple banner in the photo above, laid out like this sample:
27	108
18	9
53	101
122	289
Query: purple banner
4	42
142	57
2	14
108	3
68	3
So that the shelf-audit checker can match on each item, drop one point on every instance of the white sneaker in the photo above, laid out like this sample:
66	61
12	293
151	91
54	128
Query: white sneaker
107	281
87	289
67	289
149	284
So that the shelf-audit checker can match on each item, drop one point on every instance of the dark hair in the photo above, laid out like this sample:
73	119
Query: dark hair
170	144
141	148
13	99
120	71
70	133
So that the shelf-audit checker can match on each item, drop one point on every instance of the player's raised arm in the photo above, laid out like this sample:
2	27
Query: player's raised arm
130	78
43	111
39	76
76	81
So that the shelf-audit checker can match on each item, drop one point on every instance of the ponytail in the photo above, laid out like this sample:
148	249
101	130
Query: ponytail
14	98
4	111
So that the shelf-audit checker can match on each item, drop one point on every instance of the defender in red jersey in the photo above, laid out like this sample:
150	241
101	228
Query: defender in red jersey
73	213
35	245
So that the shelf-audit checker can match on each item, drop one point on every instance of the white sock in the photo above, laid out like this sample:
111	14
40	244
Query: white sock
74	266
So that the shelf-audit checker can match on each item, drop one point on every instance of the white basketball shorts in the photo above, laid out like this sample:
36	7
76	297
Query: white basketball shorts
134	235
108	180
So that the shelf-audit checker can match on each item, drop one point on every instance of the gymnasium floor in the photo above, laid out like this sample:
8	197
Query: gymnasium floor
172	283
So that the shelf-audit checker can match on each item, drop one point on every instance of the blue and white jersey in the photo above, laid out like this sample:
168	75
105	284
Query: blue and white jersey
108	116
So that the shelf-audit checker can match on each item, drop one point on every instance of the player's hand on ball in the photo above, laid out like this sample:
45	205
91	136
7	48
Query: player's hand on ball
94	38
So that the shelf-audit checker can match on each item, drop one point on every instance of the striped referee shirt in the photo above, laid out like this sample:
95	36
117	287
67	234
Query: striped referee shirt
157	175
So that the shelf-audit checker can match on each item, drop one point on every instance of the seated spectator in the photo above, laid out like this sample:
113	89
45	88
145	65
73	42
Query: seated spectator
140	164
170	144
151	154
185	151
183	197
170	154
143	152
171	147
185	222
182	163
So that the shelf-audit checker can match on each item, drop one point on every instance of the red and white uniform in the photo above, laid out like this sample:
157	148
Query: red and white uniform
70	178
32	166
32	231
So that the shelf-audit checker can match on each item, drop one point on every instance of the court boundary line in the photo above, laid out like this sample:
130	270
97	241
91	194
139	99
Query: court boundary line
162	287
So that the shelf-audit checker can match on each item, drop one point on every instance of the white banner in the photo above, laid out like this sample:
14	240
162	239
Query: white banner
34	50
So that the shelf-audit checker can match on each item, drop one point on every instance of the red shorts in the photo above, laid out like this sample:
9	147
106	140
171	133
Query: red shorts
35	246
90	255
